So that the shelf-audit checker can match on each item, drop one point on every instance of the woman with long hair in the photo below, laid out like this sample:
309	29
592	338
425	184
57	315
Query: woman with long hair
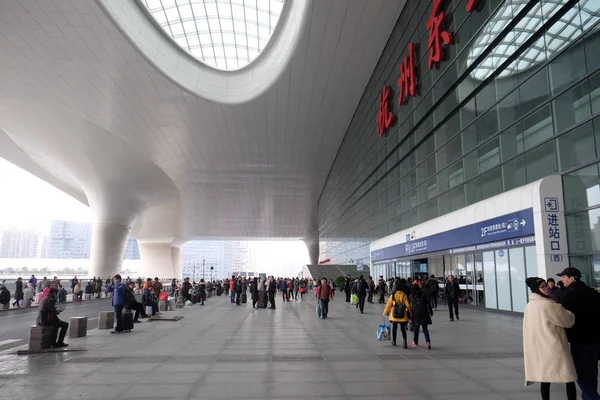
398	308
545	346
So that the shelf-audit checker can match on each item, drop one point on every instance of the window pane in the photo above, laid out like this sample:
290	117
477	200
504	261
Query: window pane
511	142
455	174
531	261
428	211
489	280
502	274
517	279
594	88
457	198
581	188
536	127
514	174
540	162
473	191
534	91
491	183
567	68
581	231
571	107
577	146
488	155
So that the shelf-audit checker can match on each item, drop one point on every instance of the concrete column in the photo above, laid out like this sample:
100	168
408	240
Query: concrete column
109	242
313	250
160	259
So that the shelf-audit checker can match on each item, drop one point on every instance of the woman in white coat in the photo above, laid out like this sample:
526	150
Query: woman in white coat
545	346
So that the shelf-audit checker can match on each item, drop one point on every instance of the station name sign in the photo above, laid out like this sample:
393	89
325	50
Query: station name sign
501	230
407	86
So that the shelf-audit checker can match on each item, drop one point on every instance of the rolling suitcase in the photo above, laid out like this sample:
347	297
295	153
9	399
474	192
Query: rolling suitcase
244	298
127	321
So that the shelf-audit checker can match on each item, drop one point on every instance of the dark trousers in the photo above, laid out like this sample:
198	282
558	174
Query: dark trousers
232	296
370	298
324	307
272	299
202	297
586	358
254	299
348	294
395	330
433	298
382	298
453	302
238	296
139	309
63	326
119	317
571	391
295	294
361	302
425	333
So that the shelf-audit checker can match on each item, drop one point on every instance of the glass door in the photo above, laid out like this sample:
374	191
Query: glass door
470	295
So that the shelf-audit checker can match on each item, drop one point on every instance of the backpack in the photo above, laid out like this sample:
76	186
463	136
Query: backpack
416	304
435	286
360	286
399	309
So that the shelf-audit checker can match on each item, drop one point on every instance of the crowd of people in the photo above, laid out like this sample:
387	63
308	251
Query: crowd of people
561	329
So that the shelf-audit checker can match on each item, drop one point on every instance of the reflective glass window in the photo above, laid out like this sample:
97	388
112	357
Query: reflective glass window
567	68
491	183
531	261
581	188
540	162
489	280
517	279
503	280
513	173
571	107
536	127
576	147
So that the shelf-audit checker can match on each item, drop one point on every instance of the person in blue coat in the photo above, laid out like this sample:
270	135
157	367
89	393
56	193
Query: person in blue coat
119	301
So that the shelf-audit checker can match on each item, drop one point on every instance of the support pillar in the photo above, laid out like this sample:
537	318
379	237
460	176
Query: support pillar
313	250
109	242
160	259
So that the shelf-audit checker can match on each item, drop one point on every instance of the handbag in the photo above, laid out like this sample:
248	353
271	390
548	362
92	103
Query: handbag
383	332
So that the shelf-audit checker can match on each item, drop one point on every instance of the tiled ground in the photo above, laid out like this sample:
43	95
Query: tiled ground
223	351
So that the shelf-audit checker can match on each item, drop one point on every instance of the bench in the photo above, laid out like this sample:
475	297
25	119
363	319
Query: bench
106	319
40	337
77	327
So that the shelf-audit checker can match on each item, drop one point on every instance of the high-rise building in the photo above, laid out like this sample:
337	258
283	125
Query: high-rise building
18	243
198	256
70	240
44	246
132	252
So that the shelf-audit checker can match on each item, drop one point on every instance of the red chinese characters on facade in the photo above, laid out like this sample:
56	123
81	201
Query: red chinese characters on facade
437	36
406	83
471	5
384	116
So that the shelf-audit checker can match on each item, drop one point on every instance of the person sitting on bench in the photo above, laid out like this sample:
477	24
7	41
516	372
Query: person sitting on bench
48	316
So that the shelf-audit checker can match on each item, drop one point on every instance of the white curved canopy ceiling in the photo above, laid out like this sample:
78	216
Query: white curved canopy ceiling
224	34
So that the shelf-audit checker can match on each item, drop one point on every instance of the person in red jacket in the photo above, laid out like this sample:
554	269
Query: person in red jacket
231	291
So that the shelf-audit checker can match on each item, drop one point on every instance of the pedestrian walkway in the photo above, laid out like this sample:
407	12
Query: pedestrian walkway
224	351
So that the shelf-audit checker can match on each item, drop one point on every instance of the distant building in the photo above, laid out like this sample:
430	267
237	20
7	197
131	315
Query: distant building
18	243
70	240
198	256
133	251
45	246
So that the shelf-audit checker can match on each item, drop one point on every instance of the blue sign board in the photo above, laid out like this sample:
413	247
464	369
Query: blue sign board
505	227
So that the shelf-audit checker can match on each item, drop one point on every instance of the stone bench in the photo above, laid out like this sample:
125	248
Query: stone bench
40	337
163	305
106	319
77	327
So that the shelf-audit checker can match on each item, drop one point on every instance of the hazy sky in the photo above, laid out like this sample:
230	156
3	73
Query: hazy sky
28	202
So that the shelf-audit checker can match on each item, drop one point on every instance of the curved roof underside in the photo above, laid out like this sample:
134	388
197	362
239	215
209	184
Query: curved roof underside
248	169
224	34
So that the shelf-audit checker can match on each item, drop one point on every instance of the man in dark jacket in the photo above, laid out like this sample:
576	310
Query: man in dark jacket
48	316
133	304
381	290
271	289
452	296
584	336
347	287
4	297
433	290
238	291
371	289
361	291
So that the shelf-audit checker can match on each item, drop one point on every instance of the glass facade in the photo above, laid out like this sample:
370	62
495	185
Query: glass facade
515	98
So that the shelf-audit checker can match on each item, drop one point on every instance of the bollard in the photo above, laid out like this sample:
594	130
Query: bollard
40	337
77	327
106	319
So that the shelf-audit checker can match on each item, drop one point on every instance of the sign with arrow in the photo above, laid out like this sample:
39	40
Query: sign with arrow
509	226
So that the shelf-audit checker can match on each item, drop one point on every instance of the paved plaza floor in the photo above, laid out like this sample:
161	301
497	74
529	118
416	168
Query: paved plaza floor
223	351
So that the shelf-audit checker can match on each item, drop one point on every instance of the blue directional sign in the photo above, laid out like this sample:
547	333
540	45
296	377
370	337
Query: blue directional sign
509	226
